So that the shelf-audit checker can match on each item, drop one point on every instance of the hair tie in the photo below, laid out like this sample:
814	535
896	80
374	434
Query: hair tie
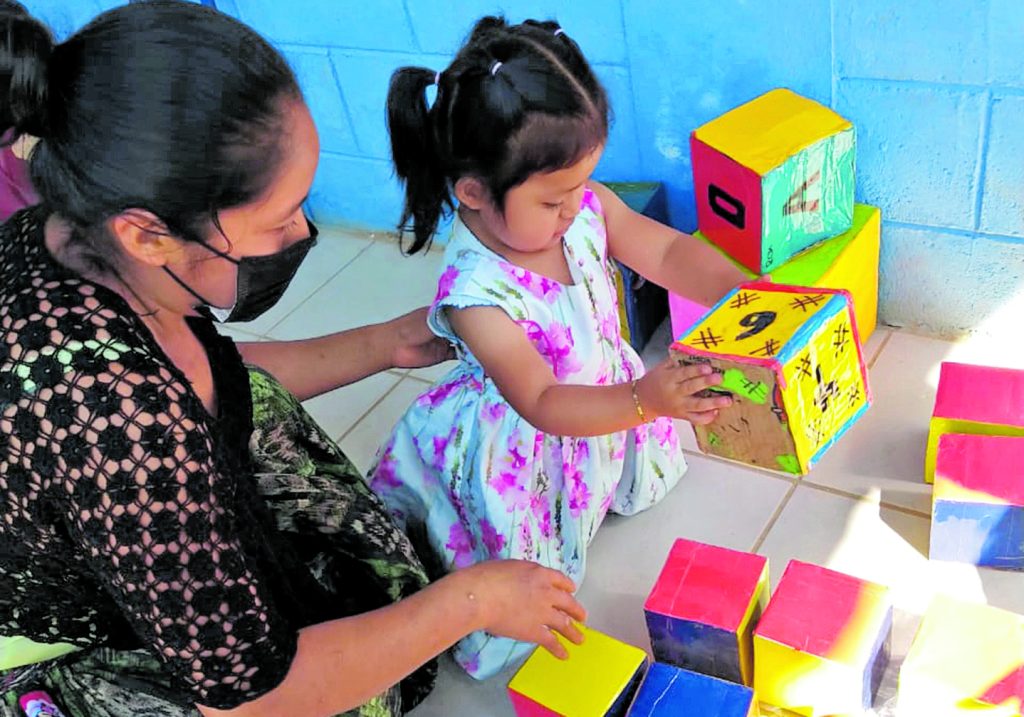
558	32
437	79
495	67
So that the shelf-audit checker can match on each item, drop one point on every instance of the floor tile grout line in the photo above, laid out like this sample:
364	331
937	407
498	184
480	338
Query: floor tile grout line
746	466
776	514
370	410
861	498
878	353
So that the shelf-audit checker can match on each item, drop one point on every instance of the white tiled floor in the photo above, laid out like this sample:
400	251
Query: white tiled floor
863	510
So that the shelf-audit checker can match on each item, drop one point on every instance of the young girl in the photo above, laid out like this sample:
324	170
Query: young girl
547	422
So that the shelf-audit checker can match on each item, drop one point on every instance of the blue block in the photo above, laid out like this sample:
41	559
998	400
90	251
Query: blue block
351	191
917	150
690	66
1002	204
364	79
316	78
595	25
1005	42
979	534
64	17
695	646
923	40
671	692
376	25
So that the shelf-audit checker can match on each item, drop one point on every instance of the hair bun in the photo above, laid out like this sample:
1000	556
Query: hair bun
26	46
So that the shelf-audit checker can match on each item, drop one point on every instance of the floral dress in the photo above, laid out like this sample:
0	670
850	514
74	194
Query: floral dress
471	480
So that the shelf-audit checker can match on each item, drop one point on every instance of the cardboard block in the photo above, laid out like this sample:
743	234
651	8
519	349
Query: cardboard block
672	692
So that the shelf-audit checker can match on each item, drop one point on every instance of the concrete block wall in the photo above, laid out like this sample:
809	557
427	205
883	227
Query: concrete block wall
935	88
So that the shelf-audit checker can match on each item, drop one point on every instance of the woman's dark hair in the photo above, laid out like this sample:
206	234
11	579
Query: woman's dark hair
165	106
517	100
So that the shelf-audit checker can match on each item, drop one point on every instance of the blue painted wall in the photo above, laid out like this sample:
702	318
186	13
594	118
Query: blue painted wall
935	87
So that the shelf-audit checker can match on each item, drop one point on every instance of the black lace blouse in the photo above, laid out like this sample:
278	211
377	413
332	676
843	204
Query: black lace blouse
128	515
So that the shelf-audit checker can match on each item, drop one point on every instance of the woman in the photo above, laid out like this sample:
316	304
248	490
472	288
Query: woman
169	514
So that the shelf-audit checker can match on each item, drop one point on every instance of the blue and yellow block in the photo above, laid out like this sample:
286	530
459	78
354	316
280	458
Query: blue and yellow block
703	609
978	501
791	358
967	659
598	680
672	692
822	646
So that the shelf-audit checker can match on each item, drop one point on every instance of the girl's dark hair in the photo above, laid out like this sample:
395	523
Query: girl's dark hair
541	109
165	106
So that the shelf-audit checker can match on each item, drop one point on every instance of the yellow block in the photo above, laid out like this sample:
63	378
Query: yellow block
964	656
768	130
938	427
588	683
856	270
824	387
755	323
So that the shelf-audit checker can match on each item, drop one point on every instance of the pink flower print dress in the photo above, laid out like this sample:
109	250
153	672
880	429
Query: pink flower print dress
471	480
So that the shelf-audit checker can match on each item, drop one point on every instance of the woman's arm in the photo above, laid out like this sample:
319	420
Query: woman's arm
310	367
344	663
679	262
527	382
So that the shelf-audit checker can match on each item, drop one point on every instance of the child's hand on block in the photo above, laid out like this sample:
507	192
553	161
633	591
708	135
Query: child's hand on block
678	391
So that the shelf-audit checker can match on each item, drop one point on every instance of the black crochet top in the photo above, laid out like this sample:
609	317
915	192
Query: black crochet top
128	515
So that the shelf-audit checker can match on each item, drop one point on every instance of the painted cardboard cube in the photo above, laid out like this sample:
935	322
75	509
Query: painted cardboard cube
967	659
703	609
772	177
598	680
668	691
975	399
791	358
978	501
848	261
823	643
641	303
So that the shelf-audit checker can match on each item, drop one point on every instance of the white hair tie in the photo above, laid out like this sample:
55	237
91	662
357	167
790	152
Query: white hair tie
559	31
495	67
437	78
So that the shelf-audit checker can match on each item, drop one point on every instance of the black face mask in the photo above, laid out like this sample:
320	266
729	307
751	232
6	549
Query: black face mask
261	282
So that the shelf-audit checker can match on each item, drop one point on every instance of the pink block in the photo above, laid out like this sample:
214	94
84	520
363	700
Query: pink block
525	707
980	393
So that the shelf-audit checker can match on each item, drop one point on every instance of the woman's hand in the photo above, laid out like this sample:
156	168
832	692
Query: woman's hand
674	390
414	345
526	601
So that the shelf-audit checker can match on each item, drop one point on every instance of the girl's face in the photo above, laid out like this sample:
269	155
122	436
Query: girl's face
539	211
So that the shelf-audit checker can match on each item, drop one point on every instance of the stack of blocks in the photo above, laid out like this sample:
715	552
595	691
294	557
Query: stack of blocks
966	659
702	610
774	178
791	359
823	643
598	680
975	457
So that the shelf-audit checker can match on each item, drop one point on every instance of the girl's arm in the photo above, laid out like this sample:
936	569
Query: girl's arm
345	663
310	367
529	385
679	262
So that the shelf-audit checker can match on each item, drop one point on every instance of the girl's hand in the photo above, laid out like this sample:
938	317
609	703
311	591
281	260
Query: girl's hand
672	390
526	602
414	345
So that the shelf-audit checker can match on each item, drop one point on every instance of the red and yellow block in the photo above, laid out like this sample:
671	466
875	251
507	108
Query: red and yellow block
703	609
598	680
773	177
981	400
823	643
848	261
966	659
791	359
978	501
